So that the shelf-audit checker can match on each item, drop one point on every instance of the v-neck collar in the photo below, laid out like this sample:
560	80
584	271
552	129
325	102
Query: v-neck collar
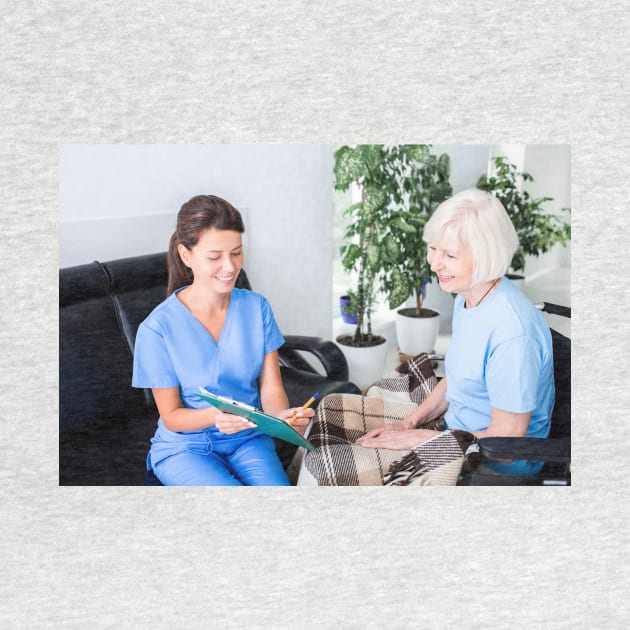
205	330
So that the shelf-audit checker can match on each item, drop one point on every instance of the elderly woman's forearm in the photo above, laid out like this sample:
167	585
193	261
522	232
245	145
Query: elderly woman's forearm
433	407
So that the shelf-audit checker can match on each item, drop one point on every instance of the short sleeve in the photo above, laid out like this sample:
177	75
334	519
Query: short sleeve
273	336
513	375
152	365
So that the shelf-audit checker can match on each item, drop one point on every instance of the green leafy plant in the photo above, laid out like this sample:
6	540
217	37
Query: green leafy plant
400	187
420	183
537	229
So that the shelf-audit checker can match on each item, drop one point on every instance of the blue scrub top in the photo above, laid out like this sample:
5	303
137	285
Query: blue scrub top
173	349
500	356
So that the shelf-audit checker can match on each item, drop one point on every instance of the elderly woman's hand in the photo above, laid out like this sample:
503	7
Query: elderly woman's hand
301	421
397	438
395	426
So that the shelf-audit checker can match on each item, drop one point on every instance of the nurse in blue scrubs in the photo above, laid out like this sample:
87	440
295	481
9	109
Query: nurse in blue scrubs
208	333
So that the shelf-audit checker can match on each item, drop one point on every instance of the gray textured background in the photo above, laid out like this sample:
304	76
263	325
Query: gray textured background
163	72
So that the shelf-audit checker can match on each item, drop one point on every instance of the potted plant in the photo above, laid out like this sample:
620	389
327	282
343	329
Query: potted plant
346	308
400	185
537	230
418	183
362	254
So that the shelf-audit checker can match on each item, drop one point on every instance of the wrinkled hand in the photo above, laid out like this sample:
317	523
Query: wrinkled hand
395	440
231	423
396	426
303	417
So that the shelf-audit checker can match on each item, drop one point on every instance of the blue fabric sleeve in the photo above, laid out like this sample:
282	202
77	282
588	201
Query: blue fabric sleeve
273	336
152	365
513	374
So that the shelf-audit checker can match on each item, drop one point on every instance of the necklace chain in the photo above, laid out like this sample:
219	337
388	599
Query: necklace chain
483	297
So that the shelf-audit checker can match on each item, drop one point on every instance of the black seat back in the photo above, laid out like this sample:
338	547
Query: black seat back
561	416
90	370
103	424
138	285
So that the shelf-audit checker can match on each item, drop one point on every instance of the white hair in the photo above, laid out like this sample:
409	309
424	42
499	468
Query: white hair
479	221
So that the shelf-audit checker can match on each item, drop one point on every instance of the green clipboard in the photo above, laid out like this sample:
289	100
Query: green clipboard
264	423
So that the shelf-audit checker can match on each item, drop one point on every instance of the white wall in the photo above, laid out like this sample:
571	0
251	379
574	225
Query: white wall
550	166
468	163
122	200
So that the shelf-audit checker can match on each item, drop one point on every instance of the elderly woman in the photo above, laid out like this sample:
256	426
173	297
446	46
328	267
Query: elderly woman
499	365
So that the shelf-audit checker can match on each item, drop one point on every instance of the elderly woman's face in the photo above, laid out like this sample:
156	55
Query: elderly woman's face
452	262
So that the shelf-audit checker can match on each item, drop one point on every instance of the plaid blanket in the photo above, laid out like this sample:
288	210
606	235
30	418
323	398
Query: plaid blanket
342	418
436	462
411	381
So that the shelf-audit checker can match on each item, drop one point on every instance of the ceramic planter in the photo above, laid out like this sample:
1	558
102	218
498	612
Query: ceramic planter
417	334
366	364
349	318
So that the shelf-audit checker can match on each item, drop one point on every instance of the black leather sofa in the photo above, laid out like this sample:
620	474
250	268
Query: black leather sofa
105	425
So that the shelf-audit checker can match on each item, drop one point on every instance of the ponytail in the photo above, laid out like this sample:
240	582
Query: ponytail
178	273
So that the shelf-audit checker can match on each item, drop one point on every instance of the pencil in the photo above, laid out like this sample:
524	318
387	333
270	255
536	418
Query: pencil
306	405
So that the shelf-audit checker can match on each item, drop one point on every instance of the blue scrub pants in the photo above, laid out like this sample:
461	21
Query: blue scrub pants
240	459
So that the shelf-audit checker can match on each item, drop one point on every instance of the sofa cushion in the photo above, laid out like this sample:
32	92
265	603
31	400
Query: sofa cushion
94	360
104	425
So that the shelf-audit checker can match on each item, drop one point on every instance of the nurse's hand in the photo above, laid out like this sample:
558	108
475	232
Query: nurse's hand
301	421
231	423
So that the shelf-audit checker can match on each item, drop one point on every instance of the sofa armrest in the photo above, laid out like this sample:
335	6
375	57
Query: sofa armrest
537	449
327	352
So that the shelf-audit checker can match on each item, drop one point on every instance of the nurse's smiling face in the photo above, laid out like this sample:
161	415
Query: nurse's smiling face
215	260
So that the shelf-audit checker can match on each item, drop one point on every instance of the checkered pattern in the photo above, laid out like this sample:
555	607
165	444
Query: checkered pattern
342	418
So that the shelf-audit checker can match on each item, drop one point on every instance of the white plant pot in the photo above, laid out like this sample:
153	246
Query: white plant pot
417	334
365	365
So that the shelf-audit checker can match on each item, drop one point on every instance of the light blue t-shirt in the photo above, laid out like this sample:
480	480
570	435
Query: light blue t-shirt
500	356
173	349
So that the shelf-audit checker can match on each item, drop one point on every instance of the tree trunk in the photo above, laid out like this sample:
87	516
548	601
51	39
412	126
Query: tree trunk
418	301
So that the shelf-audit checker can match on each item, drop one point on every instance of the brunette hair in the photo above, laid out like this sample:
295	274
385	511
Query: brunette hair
200	213
479	220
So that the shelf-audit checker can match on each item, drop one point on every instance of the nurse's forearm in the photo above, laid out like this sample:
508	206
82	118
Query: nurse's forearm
178	418
274	402
273	398
185	419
